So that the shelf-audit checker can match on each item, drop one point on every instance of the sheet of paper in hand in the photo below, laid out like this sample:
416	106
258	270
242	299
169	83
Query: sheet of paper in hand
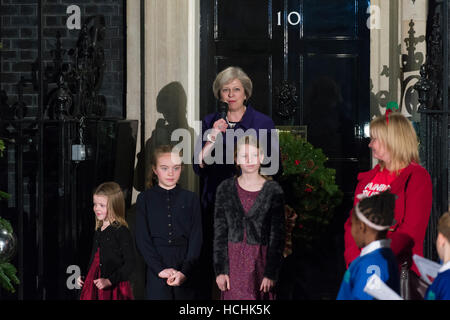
428	269
379	290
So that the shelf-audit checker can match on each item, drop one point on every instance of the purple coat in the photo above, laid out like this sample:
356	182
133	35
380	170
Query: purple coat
212	175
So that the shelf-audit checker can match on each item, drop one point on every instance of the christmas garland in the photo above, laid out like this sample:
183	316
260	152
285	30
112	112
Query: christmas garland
8	277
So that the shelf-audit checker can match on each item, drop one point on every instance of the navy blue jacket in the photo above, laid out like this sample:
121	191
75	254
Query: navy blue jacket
168	218
214	174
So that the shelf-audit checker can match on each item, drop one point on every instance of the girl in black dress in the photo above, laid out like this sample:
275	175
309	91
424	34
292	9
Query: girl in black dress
113	254
169	230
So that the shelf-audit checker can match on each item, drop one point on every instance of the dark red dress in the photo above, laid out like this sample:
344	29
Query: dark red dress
122	291
246	262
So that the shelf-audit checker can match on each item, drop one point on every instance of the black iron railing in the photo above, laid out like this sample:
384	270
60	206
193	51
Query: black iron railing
434	111
51	186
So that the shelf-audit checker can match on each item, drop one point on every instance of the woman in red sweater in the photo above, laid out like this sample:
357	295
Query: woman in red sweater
394	144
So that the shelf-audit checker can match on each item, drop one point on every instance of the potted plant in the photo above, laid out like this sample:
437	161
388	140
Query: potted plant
309	187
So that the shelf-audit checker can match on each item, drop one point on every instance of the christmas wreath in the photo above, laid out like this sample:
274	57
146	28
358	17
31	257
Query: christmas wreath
309	188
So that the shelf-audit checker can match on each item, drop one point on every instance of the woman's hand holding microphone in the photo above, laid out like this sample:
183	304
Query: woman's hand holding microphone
219	126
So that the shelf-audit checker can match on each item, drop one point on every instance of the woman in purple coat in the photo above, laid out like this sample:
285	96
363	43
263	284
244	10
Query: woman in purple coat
214	151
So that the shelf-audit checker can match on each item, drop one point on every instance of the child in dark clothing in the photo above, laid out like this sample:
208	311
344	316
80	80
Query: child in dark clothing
169	230
440	288
113	254
371	219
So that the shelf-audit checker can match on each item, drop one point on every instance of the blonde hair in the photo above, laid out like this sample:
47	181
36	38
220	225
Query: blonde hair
251	141
160	150
444	225
115	204
399	138
229	74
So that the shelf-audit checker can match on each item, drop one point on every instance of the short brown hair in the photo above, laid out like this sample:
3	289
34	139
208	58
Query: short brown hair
229	74
444	225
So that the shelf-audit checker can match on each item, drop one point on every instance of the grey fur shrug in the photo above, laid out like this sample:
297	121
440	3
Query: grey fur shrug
264	224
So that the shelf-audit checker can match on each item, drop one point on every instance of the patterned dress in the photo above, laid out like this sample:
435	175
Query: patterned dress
246	262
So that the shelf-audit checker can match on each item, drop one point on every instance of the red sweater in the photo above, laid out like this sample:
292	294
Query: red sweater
412	212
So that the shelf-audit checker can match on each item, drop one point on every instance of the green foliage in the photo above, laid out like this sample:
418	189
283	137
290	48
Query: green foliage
8	276
4	224
2	147
4	195
309	187
8	272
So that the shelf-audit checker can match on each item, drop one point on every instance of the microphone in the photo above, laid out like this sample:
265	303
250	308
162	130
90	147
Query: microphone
223	110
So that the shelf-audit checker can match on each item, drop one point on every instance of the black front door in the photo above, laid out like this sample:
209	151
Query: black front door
321	48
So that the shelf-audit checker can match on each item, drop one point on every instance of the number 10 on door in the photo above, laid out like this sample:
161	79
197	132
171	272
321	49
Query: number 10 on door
293	18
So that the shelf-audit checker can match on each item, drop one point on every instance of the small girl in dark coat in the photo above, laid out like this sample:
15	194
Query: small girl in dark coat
169	230
113	256
249	229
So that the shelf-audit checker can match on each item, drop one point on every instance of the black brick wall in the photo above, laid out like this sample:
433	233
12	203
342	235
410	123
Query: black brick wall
19	36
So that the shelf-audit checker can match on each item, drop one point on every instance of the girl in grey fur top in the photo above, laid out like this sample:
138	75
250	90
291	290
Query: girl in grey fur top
249	229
